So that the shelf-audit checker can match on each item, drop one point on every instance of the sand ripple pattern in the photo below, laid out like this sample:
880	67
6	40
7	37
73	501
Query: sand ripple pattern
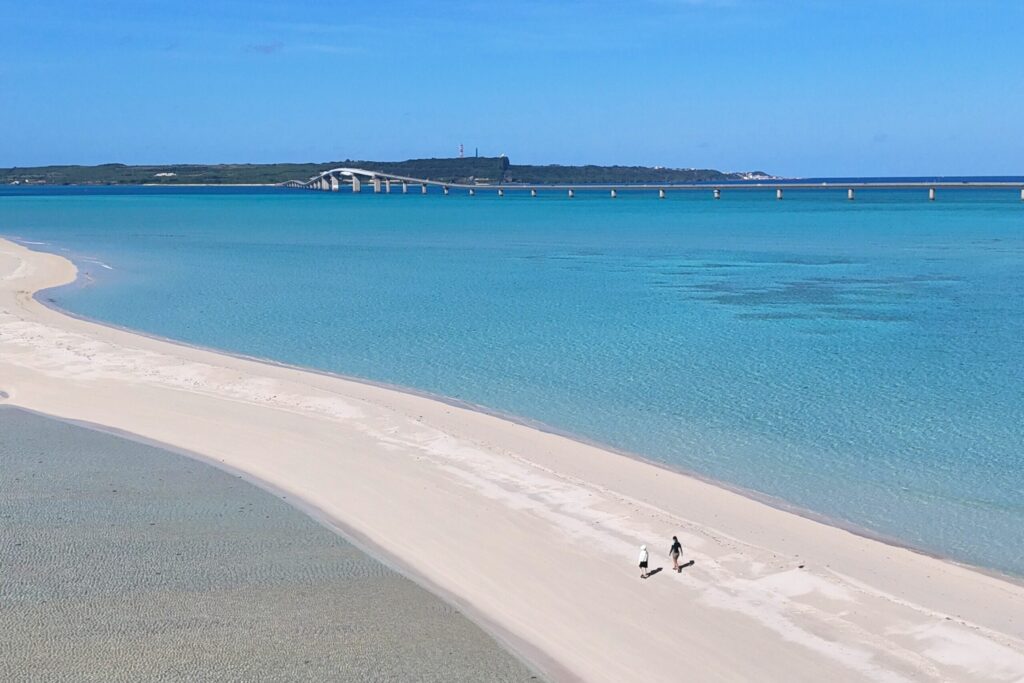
124	562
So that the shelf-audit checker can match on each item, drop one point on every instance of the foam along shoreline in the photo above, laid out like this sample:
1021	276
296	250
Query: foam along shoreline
532	534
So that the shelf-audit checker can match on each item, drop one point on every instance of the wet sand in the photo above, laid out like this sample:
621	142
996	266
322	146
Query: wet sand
122	561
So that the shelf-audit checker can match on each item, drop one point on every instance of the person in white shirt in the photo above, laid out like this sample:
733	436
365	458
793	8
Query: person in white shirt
644	557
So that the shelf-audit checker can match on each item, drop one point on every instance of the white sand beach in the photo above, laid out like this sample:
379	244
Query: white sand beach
533	535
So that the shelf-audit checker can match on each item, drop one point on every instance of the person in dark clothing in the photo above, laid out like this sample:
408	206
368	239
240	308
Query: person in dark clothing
675	552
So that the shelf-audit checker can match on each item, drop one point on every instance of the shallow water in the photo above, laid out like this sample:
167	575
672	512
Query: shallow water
862	359
124	562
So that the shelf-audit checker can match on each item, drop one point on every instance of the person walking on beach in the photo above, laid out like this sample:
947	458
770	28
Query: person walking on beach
675	552
643	561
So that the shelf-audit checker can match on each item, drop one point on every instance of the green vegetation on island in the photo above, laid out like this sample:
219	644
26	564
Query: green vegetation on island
452	170
625	175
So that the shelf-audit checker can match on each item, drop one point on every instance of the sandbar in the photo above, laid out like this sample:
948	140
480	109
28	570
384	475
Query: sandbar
533	535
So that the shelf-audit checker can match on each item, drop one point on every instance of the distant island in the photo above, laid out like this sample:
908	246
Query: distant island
453	170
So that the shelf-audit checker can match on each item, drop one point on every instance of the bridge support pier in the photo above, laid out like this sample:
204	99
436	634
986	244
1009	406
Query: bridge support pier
356	185
614	194
472	192
571	194
849	194
533	193
661	194
387	185
778	193
444	188
324	185
405	187
376	185
501	192
423	188
1022	194
717	194
334	183
931	194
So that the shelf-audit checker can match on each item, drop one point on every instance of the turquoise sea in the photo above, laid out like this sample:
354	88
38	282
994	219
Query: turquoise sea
861	360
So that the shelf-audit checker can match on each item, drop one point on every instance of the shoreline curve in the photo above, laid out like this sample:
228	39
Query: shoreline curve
531	423
747	587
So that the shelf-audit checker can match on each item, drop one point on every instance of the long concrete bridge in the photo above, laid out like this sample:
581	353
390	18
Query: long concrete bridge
355	178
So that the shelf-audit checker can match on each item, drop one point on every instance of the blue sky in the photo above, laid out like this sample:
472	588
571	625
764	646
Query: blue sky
796	87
